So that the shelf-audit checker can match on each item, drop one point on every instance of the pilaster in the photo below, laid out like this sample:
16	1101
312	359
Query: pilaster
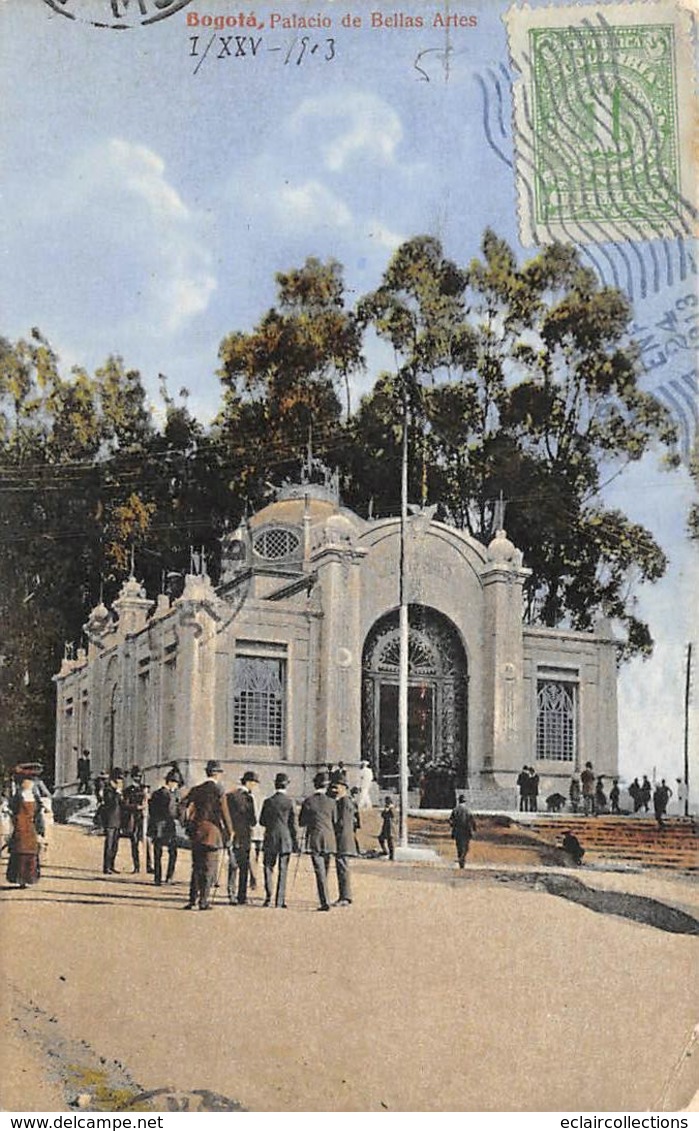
503	659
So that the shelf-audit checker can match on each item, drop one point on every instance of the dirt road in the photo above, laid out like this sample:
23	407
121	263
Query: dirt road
423	996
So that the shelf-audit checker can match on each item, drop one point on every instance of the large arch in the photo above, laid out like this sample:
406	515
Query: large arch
437	699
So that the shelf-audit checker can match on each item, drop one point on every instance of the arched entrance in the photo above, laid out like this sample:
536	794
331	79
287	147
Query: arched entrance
437	700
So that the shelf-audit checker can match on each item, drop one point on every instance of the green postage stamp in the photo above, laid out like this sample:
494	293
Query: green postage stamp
603	121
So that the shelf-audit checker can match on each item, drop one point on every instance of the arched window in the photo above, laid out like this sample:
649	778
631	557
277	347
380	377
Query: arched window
275	543
555	720
258	701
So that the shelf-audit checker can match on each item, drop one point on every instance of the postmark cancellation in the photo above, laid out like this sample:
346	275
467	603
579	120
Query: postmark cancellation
604	107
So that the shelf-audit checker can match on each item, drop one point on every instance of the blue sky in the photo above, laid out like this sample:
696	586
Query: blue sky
145	210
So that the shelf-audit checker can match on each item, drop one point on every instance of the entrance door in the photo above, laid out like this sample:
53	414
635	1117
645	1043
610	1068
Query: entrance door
421	728
437	698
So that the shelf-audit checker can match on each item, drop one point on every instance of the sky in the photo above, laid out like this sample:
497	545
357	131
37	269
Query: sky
151	187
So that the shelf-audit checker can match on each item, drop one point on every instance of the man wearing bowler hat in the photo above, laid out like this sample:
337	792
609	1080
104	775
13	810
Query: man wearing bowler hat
241	809
209	828
344	824
112	816
279	822
316	817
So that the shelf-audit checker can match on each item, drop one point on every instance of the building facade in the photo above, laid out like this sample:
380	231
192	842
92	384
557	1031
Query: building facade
292	662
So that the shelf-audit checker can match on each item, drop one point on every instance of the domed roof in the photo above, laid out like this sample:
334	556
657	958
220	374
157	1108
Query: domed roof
290	512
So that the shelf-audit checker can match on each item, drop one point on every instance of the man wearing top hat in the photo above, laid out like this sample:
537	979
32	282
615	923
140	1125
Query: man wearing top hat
344	823
241	809
280	839
316	817
209	827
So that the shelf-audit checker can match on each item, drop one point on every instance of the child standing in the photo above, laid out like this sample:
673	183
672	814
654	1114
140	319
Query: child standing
388	820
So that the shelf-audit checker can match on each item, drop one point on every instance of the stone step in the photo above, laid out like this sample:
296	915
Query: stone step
633	839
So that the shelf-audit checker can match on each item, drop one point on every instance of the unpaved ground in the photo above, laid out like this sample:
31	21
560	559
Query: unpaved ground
425	995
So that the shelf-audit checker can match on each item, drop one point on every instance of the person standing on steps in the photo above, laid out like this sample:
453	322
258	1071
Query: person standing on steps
366	777
574	793
84	772
587	781
614	795
645	793
523	787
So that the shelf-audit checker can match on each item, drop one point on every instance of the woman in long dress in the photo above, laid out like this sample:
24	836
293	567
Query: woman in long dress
27	829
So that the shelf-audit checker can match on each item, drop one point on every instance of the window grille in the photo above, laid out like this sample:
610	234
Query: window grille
276	543
258	702
555	721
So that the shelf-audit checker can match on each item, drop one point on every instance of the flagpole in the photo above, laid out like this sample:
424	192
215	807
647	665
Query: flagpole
404	636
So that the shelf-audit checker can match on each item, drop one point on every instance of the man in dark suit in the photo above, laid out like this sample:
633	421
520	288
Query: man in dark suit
463	827
316	817
84	772
279	822
162	830
344	823
134	812
523	787
209	826
112	817
241	809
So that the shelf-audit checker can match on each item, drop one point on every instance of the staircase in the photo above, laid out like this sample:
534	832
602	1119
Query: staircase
637	840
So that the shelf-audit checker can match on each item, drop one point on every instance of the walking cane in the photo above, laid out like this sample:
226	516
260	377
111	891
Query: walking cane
298	861
296	869
226	851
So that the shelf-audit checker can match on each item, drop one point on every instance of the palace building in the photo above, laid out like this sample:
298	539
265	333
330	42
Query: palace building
292	662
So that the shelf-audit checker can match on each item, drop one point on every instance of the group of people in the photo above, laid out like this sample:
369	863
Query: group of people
221	824
587	794
216	820
641	794
528	786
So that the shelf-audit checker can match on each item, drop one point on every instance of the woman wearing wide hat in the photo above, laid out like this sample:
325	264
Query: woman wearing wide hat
27	833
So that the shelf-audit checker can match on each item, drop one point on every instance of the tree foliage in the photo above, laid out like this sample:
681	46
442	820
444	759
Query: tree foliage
523	382
282	381
518	379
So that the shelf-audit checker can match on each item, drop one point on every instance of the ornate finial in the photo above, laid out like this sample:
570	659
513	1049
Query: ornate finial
499	513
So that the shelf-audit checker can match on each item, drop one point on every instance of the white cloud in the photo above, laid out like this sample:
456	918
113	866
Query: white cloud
357	127
115	206
312	203
382	236
142	172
